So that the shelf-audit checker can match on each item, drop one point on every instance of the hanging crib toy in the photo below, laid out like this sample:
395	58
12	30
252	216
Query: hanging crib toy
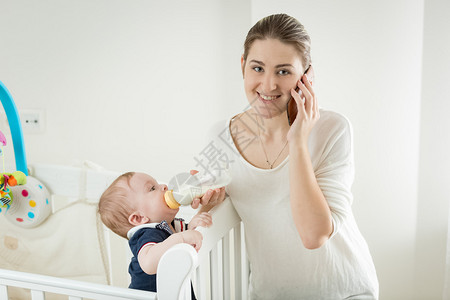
24	200
16	178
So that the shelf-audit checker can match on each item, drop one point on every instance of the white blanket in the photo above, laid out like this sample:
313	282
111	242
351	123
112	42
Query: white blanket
67	245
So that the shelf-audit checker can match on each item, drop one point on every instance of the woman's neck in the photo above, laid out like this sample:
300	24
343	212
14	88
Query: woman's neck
270	127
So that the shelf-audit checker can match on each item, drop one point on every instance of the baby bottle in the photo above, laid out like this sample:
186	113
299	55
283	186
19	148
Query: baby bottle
183	188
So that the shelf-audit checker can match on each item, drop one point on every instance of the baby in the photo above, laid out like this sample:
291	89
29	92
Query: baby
133	207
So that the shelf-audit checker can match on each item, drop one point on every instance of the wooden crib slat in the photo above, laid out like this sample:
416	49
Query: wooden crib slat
245	264
216	272
204	278
75	298
226	266
3	292
238	289
37	295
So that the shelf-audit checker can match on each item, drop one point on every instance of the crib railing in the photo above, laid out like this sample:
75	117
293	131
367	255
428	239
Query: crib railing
223	268
218	272
181	258
75	290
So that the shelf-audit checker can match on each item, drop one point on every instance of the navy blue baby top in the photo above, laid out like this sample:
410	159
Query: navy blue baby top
144	235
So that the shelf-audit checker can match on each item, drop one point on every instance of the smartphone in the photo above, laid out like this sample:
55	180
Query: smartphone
292	105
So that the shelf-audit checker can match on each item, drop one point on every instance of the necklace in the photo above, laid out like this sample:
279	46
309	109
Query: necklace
264	150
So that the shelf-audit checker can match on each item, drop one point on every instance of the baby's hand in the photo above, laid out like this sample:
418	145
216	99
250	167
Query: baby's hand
203	219
193	238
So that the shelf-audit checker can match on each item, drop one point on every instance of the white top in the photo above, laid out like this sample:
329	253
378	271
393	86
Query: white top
281	267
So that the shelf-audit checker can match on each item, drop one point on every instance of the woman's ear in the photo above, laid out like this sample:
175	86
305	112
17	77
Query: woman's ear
242	65
136	219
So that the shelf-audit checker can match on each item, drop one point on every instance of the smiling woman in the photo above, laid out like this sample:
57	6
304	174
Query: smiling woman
297	176
273	68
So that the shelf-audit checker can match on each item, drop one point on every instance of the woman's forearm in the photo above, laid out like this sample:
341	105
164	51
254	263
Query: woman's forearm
310	210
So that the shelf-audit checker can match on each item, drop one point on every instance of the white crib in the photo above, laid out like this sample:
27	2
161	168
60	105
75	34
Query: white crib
218	271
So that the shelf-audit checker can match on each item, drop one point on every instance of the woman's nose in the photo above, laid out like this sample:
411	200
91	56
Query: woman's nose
164	187
269	83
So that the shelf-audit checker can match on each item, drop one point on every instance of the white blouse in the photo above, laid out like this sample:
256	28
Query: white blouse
281	267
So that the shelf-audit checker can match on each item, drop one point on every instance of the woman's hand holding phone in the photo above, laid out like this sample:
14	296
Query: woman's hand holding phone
302	109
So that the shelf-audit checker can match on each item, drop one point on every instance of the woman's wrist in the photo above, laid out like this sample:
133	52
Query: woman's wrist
297	145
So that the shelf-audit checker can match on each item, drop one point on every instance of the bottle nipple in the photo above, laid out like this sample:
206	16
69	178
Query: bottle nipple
170	200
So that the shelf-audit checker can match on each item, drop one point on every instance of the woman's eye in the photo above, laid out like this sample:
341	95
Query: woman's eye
258	69
283	72
152	188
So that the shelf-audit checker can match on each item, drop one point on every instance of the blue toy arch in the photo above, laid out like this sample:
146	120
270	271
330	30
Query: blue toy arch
15	127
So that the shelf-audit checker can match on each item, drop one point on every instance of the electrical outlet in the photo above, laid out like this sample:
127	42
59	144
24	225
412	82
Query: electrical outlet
32	120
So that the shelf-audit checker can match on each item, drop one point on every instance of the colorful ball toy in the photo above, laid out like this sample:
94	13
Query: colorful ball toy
31	204
24	200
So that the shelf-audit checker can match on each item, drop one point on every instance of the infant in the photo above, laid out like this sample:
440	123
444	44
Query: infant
133	207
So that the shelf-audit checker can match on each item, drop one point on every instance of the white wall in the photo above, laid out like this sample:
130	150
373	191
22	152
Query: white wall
434	175
130	85
134	85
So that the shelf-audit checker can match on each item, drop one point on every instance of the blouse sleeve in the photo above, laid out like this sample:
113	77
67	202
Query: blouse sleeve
335	168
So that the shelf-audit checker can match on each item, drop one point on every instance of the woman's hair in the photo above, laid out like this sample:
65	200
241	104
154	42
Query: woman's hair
284	28
115	206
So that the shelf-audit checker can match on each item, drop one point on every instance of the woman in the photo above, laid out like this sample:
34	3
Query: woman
292	184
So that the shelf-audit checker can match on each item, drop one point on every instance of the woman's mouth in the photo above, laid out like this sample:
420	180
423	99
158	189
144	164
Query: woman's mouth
268	98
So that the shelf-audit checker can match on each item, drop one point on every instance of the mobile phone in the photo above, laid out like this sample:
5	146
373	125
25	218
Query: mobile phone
292	105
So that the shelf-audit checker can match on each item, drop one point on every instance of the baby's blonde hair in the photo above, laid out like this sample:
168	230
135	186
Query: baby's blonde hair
115	206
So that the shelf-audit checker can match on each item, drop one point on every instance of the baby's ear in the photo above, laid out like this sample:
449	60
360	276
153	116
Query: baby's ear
136	219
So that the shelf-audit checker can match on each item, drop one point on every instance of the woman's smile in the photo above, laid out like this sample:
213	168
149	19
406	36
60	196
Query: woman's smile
271	70
267	98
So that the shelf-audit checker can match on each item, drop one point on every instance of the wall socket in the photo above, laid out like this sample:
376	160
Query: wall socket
32	120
